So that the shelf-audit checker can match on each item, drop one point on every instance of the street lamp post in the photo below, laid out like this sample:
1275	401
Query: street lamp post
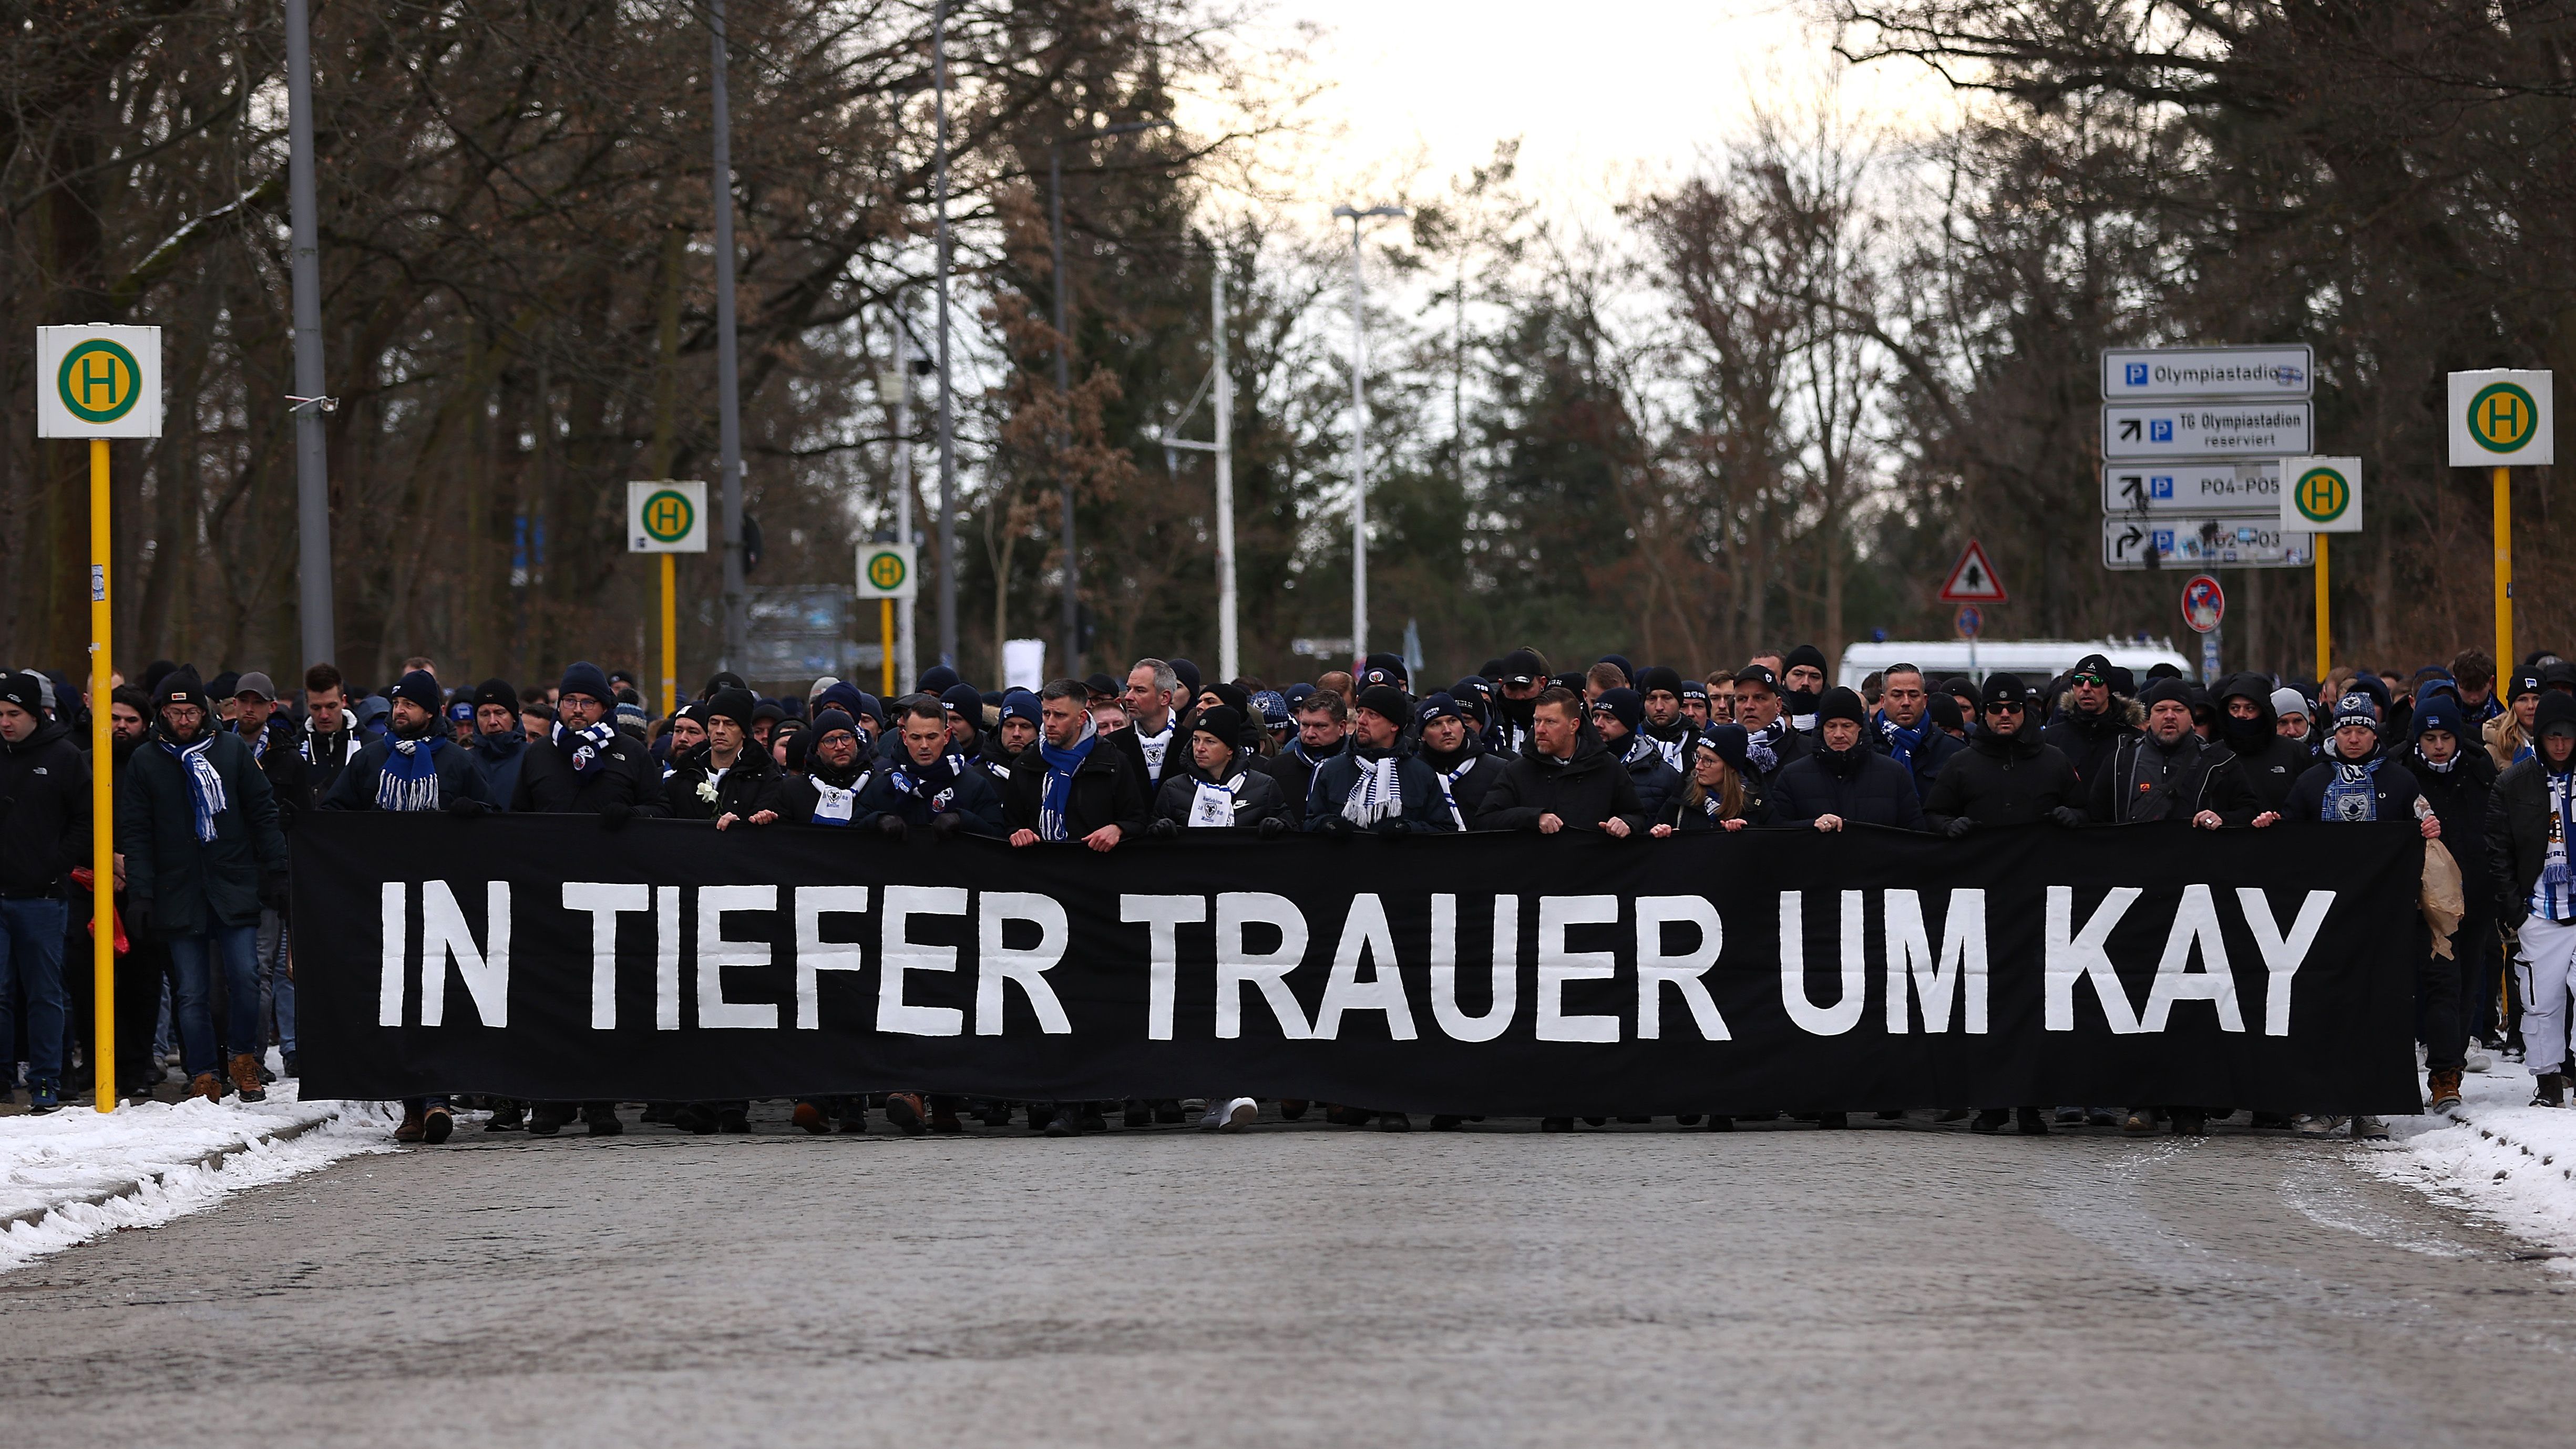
947	406
1359	431
737	622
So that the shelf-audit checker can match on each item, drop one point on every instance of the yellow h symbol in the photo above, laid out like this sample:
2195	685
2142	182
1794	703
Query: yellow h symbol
97	370
2501	418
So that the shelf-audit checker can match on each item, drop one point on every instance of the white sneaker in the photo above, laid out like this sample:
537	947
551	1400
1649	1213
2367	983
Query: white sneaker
1240	1114
2311	1126
2477	1060
1196	1104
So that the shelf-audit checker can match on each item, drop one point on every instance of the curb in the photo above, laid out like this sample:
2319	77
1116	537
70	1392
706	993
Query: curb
104	1196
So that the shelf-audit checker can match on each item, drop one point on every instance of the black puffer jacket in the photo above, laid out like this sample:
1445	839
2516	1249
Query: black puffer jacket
1470	775
1425	808
2141	783
2269	763
1582	792
2393	786
2517	836
2086	740
2459	798
1860	785
1256	797
1108	789
182	885
2002	780
753	784
44	810
626	775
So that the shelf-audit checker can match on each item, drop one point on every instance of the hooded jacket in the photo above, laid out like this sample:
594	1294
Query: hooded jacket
44	811
1425	808
2202	776
1256	795
2268	762
1860	785
2001	780
497	759
2517	836
290	776
1582	791
180	885
2459	796
2088	739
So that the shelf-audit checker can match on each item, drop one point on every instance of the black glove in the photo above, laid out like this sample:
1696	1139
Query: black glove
272	890
946	824
615	814
2069	816
1335	827
138	915
1273	827
1959	826
1162	829
466	807
892	826
1397	827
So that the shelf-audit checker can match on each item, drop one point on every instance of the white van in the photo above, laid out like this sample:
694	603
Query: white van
2036	660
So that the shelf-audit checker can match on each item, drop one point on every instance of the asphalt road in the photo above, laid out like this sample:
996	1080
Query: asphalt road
1303	1285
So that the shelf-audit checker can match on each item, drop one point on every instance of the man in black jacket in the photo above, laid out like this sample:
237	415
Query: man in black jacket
1375	785
44	836
588	766
1620	717
1567	780
930	786
2006	776
415	766
1904	729
2094	721
1154	741
1230	789
2531	817
1518	679
836	768
729	779
2170	773
1455	753
1659	691
1323	730
331	737
2457	779
1770	743
1072	784
1844	781
2249	725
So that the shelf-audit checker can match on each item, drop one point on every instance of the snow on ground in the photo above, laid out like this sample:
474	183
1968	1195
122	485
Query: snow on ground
2497	1156
75	1175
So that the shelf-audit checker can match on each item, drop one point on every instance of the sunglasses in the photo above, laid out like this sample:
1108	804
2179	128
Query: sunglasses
2004	707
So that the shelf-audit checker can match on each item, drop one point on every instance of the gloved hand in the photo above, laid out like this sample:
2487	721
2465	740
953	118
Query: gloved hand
892	826
1959	826
465	807
1273	827
1336	827
946	823
1396	828
137	911
2069	816
1162	829
272	890
615	814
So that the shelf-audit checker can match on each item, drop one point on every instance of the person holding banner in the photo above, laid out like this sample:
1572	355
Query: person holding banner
729	780
1230	790
1567	781
1844	781
1719	793
1771	745
1375	785
1072	785
2531	815
414	766
928	786
587	766
1456	753
2007	775
2169	772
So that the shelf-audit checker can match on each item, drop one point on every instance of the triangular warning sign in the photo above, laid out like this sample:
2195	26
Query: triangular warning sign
1972	579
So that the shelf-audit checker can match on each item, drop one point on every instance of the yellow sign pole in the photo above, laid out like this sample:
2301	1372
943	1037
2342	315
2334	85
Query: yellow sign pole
885	632
2325	632
2504	569
102	792
670	633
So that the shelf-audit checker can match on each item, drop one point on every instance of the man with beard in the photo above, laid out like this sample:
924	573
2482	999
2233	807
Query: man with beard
1802	683
1904	731
1618	715
1660	689
1769	742
45	800
1844	781
588	766
1467	770
203	854
500	746
2531	817
1011	736
1567	781
146	968
1323	722
2006	775
827	793
1229	791
930	787
1374	785
2268	761
2167	772
1522	677
2457	778
2093	721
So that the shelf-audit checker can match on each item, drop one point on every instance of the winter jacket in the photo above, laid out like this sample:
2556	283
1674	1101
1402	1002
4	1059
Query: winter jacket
1787	750
44	811
1256	795
804	793
2086	740
2203	776
1425	808
2268	762
972	797
625	775
1860	785
180	885
498	759
2394	786
2459	797
1468	776
1687	818
1930	753
1654	776
290	775
1176	755
2517	837
358	784
1294	770
327	755
2002	780
1108	789
755	783
2507	741
1582	791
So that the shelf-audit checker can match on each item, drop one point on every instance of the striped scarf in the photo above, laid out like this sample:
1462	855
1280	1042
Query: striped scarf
409	779
2553	896
205	786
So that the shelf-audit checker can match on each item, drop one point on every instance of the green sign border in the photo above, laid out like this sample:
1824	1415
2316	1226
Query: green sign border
644	516
63	380
2300	502
899	578
2490	390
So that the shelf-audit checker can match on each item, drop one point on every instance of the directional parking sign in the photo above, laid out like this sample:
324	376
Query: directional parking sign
2501	417
2182	431
2141	373
665	516
2236	543
98	382
2213	490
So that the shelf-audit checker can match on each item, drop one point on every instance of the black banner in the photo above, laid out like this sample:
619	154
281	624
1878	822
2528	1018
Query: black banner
549	957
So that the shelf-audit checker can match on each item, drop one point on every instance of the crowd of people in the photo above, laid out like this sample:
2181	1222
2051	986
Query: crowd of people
214	775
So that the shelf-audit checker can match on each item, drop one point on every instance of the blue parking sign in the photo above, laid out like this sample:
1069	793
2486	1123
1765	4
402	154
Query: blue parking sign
2160	487
2137	373
2160	430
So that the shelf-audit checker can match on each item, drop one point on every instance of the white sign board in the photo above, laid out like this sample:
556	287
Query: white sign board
1024	664
2207	430
98	382
2202	543
2501	418
2145	374
664	516
887	571
2209	490
2321	495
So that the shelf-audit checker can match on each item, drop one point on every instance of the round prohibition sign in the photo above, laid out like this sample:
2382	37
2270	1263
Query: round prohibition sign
668	516
885	572
2321	495
2502	416
99	381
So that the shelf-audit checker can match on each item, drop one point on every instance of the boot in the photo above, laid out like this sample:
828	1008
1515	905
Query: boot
1137	1114
944	1120
246	1078
996	1114
413	1124
1040	1114
2444	1088
206	1085
698	1118
2030	1121
1061	1121
905	1111
809	1116
1168	1110
1394	1122
436	1124
547	1118
733	1119
601	1118
2190	1122
2550	1090
854	1115
1291	1108
2141	1122
1990	1119
507	1116
1717	1123
44	1094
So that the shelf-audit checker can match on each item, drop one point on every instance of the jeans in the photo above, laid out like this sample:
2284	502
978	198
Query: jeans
192	958
31	954
277	989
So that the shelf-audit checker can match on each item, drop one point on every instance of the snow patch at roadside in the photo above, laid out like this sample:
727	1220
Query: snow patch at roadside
2501	1158
155	1161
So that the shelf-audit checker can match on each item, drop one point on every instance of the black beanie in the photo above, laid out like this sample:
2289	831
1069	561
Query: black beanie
733	704
1807	654
25	689
2005	689
1841	703
2557	713
1659	676
421	688
1385	701
1944	710
1625	705
2164	689
584	678
1224	722
830	720
497	691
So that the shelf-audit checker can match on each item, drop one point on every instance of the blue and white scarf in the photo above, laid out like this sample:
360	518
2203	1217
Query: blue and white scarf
1060	767
584	749
2352	796
2553	896
1901	742
1375	795
205	786
934	784
409	779
1758	751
